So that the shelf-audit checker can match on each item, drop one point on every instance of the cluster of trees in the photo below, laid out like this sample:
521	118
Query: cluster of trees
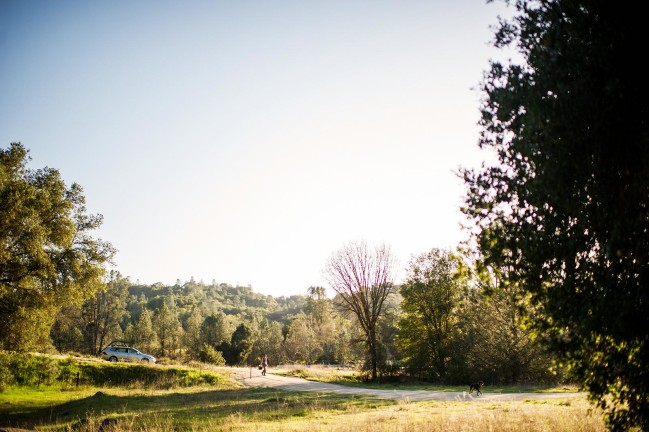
55	294
461	322
438	326
449	321
560	222
217	323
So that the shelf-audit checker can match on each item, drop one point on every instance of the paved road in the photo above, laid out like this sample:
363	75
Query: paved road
253	378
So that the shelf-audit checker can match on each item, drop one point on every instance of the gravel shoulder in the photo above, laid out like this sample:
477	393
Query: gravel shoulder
253	378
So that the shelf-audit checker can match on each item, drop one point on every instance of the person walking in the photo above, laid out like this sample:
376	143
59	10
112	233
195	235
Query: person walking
264	364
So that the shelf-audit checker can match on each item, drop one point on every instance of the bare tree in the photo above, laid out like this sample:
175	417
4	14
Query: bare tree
362	278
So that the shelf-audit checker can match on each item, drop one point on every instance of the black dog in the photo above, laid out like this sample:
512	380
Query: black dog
477	386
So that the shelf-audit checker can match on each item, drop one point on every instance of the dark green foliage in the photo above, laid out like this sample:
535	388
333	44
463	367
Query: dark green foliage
566	207
240	346
429	334
181	317
215	330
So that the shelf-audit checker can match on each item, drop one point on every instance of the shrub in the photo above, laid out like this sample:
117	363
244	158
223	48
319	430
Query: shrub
69	371
27	370
34	370
6	377
209	355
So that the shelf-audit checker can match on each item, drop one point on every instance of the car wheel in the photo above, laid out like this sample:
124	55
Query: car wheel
145	360
112	359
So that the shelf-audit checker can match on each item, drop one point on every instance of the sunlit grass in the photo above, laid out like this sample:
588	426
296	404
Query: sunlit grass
228	406
272	410
350	377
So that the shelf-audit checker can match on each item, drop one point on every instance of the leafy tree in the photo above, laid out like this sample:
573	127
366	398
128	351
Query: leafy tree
504	349
192	336
325	323
216	329
168	329
66	332
345	348
432	298
317	304
142	334
362	278
302	343
238	350
47	256
101	315
390	356
273	339
269	341
30	327
565	206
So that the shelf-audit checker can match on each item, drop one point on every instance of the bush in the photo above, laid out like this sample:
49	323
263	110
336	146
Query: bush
69	371
27	370
209	355
6	377
34	370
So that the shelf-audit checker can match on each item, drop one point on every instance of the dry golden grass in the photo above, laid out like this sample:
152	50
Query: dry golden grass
444	417
316	372
550	416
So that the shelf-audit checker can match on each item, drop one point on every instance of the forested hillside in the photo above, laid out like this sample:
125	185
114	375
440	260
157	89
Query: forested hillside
448	322
177	321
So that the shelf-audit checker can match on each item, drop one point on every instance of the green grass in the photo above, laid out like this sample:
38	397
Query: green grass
173	403
196	408
244	409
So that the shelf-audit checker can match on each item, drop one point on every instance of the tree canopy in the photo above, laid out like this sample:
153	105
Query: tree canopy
47	256
565	208
432	297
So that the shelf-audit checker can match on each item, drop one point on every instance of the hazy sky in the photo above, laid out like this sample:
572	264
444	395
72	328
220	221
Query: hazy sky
247	141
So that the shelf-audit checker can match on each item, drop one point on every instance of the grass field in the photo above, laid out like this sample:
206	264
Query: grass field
271	410
349	377
226	405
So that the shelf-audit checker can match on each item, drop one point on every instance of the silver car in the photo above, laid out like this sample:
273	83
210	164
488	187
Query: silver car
115	353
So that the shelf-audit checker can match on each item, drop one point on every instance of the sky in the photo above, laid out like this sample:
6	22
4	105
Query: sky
246	142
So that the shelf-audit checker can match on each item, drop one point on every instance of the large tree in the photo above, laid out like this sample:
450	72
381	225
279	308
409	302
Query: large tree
47	256
566	205
429	328
362	279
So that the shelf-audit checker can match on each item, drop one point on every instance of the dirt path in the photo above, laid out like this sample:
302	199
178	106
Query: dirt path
253	378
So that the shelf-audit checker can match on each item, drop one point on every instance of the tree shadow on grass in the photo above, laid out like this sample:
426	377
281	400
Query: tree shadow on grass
257	404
